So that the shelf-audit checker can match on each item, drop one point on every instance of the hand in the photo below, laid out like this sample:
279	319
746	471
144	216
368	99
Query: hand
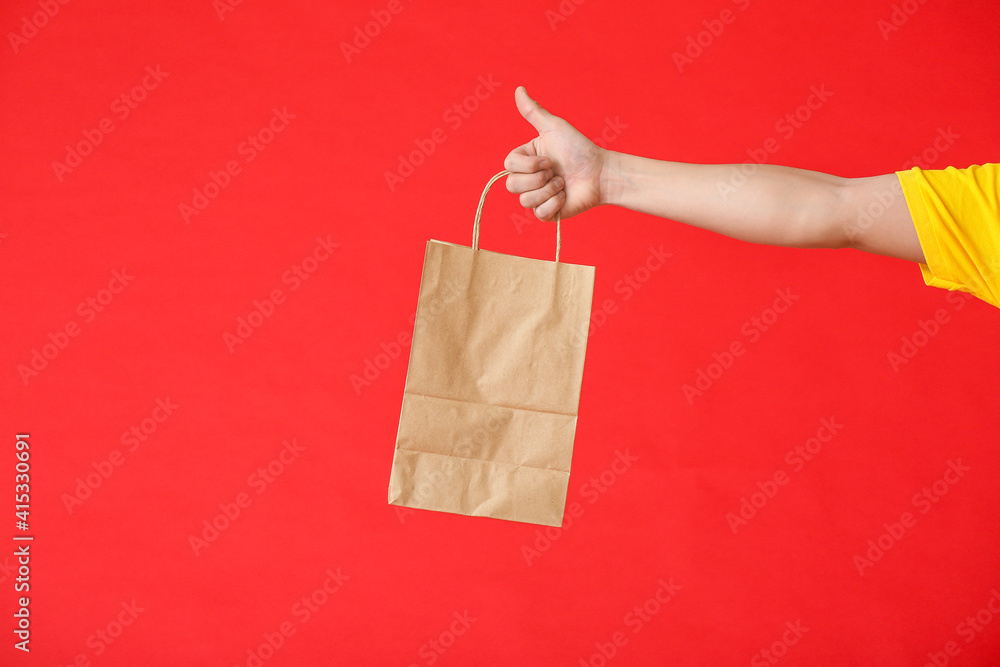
558	171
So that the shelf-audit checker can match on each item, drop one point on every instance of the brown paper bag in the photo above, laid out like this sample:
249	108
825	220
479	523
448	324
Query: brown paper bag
493	385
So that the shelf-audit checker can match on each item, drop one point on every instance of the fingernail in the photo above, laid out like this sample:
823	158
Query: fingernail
544	164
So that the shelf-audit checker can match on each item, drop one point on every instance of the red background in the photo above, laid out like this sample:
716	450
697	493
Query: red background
324	176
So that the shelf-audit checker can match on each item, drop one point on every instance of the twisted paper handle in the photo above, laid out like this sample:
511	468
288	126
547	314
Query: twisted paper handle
479	213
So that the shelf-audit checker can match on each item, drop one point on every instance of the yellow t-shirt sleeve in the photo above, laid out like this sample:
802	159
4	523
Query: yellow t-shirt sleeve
957	217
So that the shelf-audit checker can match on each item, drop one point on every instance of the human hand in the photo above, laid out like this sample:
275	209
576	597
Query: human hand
558	171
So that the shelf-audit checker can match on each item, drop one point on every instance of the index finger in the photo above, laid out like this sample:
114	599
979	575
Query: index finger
524	160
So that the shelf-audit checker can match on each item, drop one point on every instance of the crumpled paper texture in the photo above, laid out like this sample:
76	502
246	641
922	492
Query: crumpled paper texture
493	385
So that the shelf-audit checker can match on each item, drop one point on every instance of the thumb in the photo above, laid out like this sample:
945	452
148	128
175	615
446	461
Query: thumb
532	111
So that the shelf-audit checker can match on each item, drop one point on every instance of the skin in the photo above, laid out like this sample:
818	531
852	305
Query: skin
561	171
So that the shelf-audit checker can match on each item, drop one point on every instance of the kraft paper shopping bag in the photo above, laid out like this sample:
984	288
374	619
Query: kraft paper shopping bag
493	386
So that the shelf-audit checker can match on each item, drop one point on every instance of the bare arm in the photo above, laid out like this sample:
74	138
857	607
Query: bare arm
563	171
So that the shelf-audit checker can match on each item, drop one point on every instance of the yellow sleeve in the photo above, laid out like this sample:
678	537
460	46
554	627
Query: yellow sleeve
957	217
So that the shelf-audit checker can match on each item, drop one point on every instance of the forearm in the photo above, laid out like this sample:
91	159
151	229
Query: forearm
757	203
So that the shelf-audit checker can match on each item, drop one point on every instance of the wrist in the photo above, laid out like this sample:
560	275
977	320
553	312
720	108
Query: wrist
611	183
